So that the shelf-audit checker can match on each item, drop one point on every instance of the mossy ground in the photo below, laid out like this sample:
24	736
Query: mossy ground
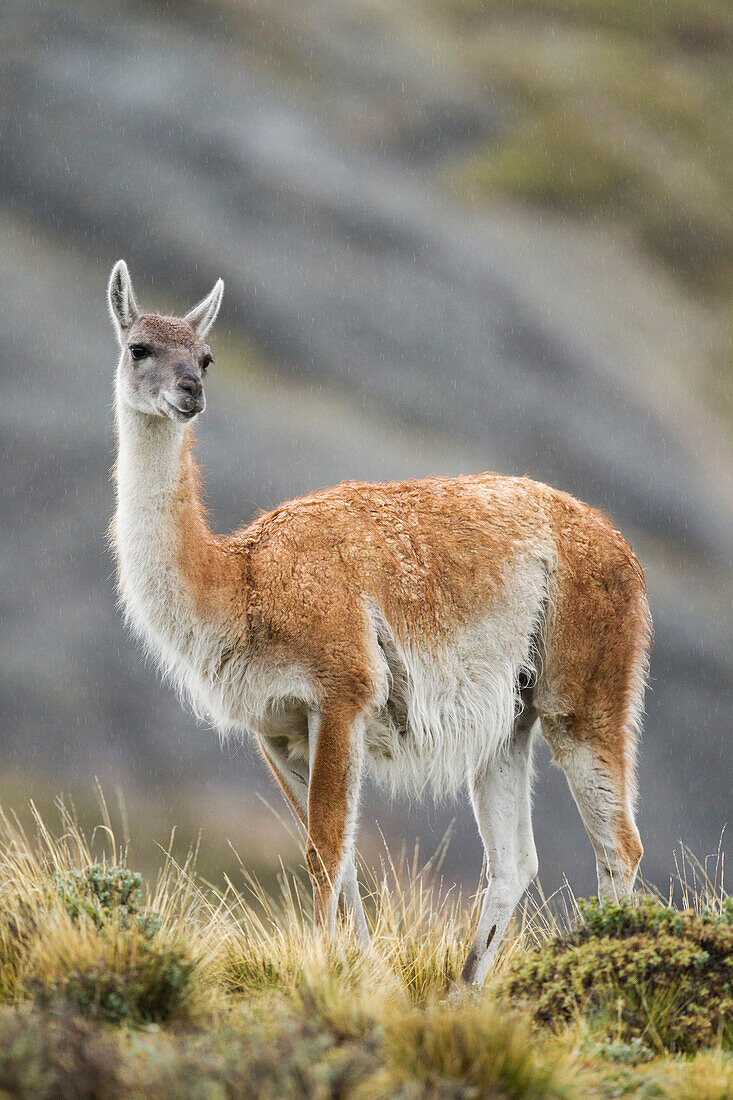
109	988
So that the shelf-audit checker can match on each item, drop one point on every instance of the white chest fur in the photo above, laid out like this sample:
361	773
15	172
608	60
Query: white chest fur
209	662
147	528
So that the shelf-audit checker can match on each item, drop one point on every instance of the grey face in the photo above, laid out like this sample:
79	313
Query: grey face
163	367
164	359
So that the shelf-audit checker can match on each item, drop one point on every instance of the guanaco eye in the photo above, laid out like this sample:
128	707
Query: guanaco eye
207	361
139	351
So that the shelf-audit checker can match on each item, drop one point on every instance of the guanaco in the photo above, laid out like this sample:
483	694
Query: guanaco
418	629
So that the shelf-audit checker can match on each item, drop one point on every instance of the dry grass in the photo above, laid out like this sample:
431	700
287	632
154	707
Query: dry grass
184	991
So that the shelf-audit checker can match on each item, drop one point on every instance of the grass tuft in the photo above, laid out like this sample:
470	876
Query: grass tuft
473	1040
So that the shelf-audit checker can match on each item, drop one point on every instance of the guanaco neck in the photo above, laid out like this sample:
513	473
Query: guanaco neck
170	564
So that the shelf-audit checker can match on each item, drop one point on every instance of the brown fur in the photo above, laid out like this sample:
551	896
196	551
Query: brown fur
601	632
168	330
431	554
328	798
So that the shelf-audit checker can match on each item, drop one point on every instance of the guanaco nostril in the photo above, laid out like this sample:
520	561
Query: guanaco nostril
190	385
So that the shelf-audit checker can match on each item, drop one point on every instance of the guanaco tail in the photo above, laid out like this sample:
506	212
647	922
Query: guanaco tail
421	630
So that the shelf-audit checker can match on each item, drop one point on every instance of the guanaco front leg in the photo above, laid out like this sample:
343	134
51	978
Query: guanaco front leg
293	778
336	749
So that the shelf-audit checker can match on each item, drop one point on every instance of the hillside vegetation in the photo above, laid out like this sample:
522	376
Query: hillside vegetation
618	111
109	988
621	108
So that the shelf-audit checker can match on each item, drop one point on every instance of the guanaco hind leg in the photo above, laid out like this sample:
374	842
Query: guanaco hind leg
600	776
501	801
594	743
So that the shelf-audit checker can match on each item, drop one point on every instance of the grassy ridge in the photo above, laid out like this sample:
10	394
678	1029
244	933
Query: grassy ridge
108	988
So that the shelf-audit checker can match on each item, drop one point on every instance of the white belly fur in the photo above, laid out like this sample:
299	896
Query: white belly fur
462	699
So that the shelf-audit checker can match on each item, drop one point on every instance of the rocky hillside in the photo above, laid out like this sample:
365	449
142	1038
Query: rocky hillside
374	326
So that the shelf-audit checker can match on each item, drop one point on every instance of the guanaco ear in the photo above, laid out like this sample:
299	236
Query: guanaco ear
202	316
122	304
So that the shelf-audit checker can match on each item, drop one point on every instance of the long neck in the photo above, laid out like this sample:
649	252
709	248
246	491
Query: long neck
168	558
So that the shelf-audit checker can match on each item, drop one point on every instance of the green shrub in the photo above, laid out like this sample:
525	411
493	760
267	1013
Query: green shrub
55	1057
639	972
625	1054
106	963
104	894
262	1052
132	979
101	896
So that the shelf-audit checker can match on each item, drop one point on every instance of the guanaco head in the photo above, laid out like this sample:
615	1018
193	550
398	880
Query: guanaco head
164	359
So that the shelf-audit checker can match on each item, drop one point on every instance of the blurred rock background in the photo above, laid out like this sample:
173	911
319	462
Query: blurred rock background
456	235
